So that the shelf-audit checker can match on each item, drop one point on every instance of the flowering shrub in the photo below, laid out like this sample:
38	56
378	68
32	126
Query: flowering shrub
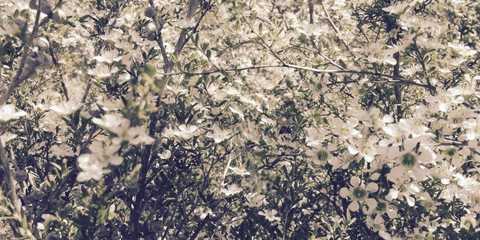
240	119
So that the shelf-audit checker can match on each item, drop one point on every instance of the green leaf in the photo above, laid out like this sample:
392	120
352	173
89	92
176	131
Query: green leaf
342	63
134	172
76	118
209	54
150	70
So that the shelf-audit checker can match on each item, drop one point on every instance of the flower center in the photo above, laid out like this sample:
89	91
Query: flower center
476	200
344	132
359	193
445	99
428	204
366	149
451	152
408	160
457	120
382	206
322	155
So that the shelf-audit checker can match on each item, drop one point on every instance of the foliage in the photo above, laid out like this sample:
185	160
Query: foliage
240	119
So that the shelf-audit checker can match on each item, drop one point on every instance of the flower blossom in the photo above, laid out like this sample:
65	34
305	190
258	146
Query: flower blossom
115	123
108	56
187	132
358	192
409	159
232	190
218	134
7	112
269	215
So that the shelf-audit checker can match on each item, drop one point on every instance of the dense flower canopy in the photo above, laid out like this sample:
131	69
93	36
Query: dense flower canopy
240	119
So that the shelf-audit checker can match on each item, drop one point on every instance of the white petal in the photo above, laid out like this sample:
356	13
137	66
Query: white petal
355	181
344	192
393	153
354	206
352	150
410	201
372	187
372	203
409	144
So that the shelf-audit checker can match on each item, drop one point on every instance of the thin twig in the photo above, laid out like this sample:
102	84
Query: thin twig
326	58
263	40
26	49
392	79
337	31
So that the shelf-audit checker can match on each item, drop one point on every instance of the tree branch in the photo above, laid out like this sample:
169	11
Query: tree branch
393	79
337	31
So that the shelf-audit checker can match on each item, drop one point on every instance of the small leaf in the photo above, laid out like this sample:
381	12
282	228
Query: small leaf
150	70
134	171
342	63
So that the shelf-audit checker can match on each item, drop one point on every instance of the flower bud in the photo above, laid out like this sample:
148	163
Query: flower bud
56	203
150	12
46	7
37	194
198	217
20	176
59	16
32	60
101	232
216	216
132	189
44	186
123	228
147	194
53	236
33	4
44	60
41	43
157	226
18	22
32	72
151	35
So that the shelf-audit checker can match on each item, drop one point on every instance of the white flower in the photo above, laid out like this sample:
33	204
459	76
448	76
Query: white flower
346	130
409	160
108	56
218	134
66	107
396	8
365	149
320	154
102	71
255	200
165	155
461	49
187	132
269	215
91	168
7	112
358	192
115	123
232	190
137	135
445	99
240	171
113	35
